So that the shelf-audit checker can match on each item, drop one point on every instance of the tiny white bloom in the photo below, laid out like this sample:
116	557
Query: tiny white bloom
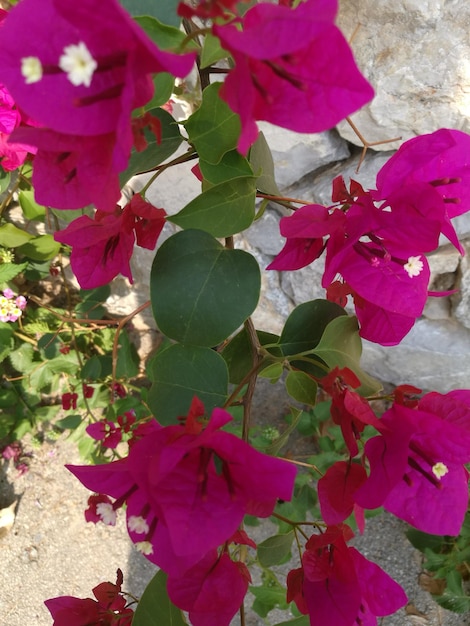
145	547
31	69
137	524
439	470
107	513
414	266
78	64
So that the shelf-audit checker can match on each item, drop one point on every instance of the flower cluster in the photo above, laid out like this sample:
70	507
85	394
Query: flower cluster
78	70
109	609
417	463
377	239
337	586
187	488
102	247
11	306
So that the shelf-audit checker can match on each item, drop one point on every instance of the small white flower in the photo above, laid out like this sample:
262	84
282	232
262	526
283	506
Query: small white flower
107	513
137	524
78	64
31	69
439	470
145	547
414	266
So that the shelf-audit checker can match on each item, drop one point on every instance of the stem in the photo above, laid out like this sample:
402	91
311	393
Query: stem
188	156
366	144
256	359
120	326
282	199
309	465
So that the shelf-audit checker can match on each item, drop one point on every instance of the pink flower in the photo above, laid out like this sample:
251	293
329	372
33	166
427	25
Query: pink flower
211	591
109	608
337	586
102	247
348	409
72	171
188	488
293	68
81	68
417	466
106	432
69	401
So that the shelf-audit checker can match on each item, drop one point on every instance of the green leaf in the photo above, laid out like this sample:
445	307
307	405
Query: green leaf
222	210
40	248
269	597
273	372
181	372
155	153
238	355
31	209
6	340
4	179
166	37
261	160
127	365
341	346
22	358
155	607
214	128
301	387
8	271
232	165
92	369
212	51
306	324
164	11
163	84
91	302
421	541
274	550
200	291
71	422
12	237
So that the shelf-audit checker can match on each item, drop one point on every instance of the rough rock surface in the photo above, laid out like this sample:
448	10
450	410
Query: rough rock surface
416	54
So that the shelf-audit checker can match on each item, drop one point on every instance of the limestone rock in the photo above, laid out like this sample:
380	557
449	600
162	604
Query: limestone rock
415	54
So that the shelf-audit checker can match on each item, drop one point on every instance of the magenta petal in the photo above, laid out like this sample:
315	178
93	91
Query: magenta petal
303	77
336	490
71	172
435	511
381	594
70	611
112	479
212	591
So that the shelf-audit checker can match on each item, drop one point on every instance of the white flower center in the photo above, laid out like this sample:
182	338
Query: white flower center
31	69
78	64
439	470
107	513
414	266
137	524
145	547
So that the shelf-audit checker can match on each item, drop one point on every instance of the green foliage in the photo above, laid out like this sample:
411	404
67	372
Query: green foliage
200	291
213	129
222	210
155	608
156	152
447	558
178	374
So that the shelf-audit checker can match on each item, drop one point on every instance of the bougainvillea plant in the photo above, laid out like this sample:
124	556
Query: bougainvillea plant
84	106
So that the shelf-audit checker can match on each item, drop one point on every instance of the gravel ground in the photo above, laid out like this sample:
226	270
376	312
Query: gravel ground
52	551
